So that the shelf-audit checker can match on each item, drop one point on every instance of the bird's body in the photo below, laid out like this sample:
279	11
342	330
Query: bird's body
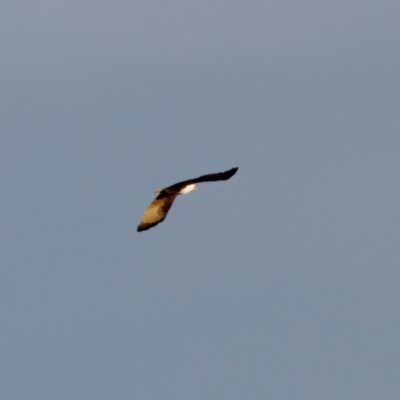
159	207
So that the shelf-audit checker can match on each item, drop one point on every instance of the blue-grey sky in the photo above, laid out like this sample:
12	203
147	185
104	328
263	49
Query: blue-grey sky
282	283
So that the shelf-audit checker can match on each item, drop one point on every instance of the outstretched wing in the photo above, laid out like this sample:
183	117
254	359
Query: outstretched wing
220	176
159	207
157	211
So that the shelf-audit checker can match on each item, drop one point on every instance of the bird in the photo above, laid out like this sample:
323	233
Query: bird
159	207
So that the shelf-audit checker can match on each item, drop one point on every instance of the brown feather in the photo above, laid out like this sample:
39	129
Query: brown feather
157	211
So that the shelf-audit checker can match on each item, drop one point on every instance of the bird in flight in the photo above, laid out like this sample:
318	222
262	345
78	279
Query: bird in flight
159	207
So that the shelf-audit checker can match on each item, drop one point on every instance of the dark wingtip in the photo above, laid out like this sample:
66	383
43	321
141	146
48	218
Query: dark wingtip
142	227
233	171
145	227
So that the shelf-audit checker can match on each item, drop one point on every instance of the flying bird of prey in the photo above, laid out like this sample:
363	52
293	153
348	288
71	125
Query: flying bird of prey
159	207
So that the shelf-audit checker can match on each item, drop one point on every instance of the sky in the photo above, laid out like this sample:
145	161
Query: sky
281	283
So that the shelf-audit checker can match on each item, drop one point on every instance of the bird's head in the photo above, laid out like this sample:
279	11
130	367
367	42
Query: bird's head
188	188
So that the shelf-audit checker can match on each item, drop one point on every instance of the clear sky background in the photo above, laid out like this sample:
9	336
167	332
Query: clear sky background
281	283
